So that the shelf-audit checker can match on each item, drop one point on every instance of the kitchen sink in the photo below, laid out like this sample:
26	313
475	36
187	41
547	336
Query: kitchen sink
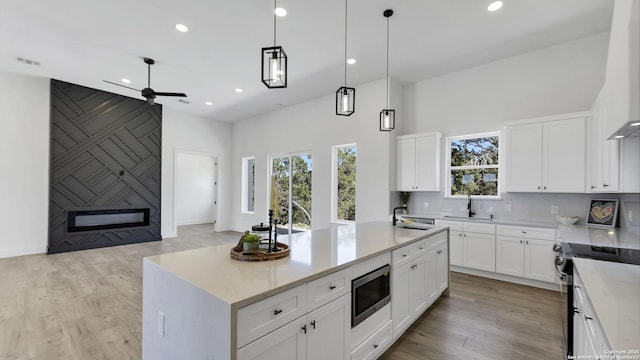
466	218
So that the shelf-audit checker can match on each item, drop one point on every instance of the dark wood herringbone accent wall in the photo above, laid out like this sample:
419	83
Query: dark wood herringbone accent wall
105	154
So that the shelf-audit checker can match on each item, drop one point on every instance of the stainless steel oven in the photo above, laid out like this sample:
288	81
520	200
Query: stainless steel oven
564	273
369	293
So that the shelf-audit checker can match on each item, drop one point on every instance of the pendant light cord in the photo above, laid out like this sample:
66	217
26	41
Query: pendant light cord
346	9
387	62
275	6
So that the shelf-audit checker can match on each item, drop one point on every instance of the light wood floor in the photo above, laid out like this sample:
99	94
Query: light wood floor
87	305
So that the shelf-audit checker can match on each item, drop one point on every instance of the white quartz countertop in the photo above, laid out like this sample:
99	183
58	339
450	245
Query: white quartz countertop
497	221
614	291
313	254
611	237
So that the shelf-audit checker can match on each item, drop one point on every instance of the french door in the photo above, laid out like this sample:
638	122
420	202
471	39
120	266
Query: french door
290	191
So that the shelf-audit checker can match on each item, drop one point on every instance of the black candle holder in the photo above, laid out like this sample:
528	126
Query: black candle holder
270	228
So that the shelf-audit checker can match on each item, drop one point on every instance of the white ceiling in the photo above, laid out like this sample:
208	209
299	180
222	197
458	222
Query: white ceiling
87	41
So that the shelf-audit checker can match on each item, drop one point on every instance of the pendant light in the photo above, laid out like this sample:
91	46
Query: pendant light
387	116
345	96
274	61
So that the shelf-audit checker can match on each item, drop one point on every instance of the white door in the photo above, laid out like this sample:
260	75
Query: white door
524	157
329	329
195	188
564	147
510	255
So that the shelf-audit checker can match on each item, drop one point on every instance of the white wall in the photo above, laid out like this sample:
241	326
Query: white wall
190	133
313	126
24	164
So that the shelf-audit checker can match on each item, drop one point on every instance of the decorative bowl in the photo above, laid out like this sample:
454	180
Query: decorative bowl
567	220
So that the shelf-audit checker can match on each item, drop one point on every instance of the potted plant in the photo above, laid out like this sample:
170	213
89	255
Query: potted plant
250	241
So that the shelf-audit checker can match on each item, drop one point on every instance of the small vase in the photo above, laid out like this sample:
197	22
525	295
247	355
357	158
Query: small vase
250	245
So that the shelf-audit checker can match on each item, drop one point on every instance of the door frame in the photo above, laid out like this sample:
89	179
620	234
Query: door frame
216	159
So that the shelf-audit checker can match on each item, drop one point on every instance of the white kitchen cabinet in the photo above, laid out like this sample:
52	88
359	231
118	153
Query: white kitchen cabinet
409	293
307	337
437	273
479	251
418	162
547	154
373	347
525	252
623	69
472	244
602	154
589	341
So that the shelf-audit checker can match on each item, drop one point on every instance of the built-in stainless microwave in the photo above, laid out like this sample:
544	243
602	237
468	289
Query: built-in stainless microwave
369	293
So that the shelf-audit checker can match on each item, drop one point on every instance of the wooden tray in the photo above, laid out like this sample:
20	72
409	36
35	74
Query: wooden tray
260	255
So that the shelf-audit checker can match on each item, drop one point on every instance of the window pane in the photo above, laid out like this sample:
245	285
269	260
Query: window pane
279	199
250	183
474	151
346	196
474	182
301	192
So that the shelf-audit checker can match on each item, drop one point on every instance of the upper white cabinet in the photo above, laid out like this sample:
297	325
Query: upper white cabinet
418	162
547	154
602	154
623	69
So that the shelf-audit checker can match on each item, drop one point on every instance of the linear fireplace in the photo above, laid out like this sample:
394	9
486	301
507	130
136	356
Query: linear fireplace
92	220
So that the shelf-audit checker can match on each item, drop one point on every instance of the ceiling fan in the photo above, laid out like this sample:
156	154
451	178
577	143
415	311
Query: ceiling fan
148	93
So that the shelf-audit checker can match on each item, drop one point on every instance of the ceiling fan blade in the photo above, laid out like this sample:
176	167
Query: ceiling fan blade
124	86
170	94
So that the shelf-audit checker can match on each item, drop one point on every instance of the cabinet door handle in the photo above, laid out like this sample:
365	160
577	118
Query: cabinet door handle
421	248
527	242
524	232
404	255
465	235
331	287
313	324
593	187
304	328
588	318
460	235
277	311
605	185
520	241
375	346
439	251
538	187
545	188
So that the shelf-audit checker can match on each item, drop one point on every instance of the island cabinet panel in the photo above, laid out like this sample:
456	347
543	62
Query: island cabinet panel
265	316
328	288
322	334
375	345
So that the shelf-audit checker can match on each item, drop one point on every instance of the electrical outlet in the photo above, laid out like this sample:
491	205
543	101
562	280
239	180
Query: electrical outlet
507	208
161	324
426	204
554	209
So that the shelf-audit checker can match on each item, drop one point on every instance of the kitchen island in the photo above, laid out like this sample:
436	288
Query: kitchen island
200	304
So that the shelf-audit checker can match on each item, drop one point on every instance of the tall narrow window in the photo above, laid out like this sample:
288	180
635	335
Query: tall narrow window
344	183
248	184
290	191
473	163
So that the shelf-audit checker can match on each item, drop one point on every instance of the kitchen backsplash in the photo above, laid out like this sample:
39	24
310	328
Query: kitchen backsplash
521	206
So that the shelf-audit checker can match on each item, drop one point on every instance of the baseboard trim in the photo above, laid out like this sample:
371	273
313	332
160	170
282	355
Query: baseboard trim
507	278
31	250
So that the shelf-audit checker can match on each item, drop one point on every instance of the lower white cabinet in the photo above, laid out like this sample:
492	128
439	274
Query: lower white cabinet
589	341
479	251
408	293
307	337
525	252
455	247
437	273
373	347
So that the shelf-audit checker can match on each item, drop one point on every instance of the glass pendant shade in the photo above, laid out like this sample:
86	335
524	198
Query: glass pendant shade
274	67
387	120
345	101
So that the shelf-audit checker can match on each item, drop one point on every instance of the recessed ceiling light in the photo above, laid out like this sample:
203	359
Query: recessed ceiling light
208	103
635	124
618	136
495	6
351	61
126	81
182	28
238	90
280	12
